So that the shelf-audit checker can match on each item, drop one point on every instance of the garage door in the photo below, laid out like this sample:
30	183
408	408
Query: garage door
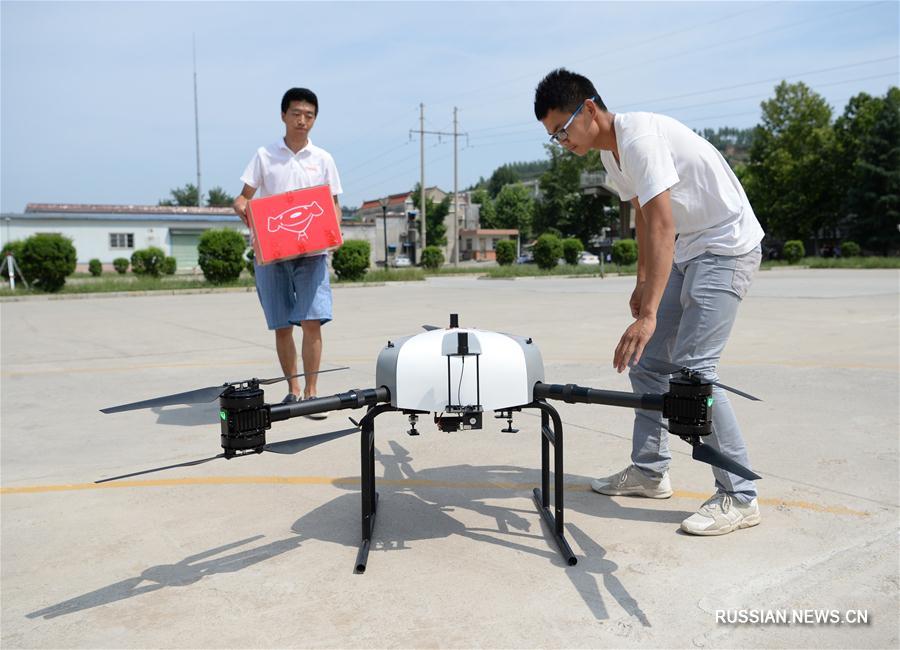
184	249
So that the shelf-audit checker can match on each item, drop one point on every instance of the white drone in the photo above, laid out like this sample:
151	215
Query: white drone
457	374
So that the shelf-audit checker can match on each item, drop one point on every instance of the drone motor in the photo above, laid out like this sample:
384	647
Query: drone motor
245	418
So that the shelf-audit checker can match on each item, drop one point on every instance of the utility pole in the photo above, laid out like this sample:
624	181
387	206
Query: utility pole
422	133
196	122
422	220
455	192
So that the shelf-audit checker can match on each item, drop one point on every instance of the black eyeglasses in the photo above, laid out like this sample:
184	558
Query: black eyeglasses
562	134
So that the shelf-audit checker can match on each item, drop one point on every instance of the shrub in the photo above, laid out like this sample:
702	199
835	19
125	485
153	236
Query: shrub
14	247
793	251
625	252
95	267
506	252
351	261
547	250
46	261
571	248
432	257
850	249
120	264
169	265
221	255
250	256
147	262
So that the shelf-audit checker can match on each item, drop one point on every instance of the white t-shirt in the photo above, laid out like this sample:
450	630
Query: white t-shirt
276	169
709	207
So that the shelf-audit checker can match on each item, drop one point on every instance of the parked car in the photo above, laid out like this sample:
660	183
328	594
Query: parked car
590	259
401	261
527	258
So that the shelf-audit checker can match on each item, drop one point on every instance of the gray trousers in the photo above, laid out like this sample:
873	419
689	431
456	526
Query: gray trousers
694	320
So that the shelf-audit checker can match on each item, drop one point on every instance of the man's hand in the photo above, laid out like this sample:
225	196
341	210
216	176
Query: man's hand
633	342
635	302
240	207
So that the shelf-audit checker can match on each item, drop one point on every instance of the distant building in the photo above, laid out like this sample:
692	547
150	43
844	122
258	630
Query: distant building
106	232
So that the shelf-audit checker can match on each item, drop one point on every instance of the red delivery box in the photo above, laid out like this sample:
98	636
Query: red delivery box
301	222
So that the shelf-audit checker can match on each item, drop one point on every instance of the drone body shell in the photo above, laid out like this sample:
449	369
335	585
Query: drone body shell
424	372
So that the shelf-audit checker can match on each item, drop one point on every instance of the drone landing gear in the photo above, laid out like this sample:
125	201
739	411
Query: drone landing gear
552	435
508	416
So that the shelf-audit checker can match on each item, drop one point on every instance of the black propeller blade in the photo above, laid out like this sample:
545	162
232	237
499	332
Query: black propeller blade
200	395
672	369
293	446
429	328
711	456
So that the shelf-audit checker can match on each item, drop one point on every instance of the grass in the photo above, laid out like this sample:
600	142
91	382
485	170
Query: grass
838	263
532	270
81	283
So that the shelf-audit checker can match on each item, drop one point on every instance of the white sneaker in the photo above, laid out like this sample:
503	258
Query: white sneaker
721	514
632	482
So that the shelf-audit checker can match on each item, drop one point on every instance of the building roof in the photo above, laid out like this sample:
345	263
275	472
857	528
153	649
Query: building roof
99	208
396	199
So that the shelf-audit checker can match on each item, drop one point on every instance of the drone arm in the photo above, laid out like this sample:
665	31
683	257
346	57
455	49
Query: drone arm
572	394
352	399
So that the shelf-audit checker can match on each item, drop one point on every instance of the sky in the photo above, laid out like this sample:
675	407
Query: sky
97	98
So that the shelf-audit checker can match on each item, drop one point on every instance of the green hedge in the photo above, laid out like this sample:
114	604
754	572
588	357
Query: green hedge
572	247
506	252
625	252
547	250
120	264
793	251
221	255
432	257
148	262
95	267
351	261
850	249
46	260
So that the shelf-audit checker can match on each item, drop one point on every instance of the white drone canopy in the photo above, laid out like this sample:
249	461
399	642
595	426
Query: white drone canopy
460	370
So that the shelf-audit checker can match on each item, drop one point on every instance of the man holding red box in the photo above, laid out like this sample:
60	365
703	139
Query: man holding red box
295	291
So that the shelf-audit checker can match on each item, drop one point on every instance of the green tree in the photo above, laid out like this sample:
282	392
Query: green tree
572	248
435	213
867	137
563	206
219	198
351	261
547	250
182	196
514	208
502	176
792	164
506	252
487	214
432	257
46	260
220	254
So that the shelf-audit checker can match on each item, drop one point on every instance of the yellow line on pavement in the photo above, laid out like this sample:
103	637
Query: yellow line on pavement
401	483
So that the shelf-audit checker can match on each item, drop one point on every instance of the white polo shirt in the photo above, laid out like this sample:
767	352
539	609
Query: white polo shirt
709	207
276	169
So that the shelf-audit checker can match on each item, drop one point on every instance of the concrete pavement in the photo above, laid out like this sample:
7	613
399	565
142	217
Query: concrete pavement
259	551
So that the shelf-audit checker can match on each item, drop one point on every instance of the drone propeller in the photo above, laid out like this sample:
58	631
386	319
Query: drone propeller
430	328
202	395
710	455
687	373
293	446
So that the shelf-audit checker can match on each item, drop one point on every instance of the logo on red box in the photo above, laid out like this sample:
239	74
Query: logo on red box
293	224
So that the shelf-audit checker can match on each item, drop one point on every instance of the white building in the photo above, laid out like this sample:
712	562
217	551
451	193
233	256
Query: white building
106	232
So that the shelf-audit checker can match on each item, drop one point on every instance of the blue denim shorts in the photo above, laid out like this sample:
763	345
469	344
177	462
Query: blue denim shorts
294	290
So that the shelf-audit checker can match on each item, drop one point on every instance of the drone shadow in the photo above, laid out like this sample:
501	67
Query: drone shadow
186	572
188	415
410	510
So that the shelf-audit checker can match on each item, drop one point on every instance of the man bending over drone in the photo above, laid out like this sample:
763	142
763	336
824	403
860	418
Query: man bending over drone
699	247
295	291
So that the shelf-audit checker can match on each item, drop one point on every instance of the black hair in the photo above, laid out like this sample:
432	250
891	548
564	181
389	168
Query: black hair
299	95
564	91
